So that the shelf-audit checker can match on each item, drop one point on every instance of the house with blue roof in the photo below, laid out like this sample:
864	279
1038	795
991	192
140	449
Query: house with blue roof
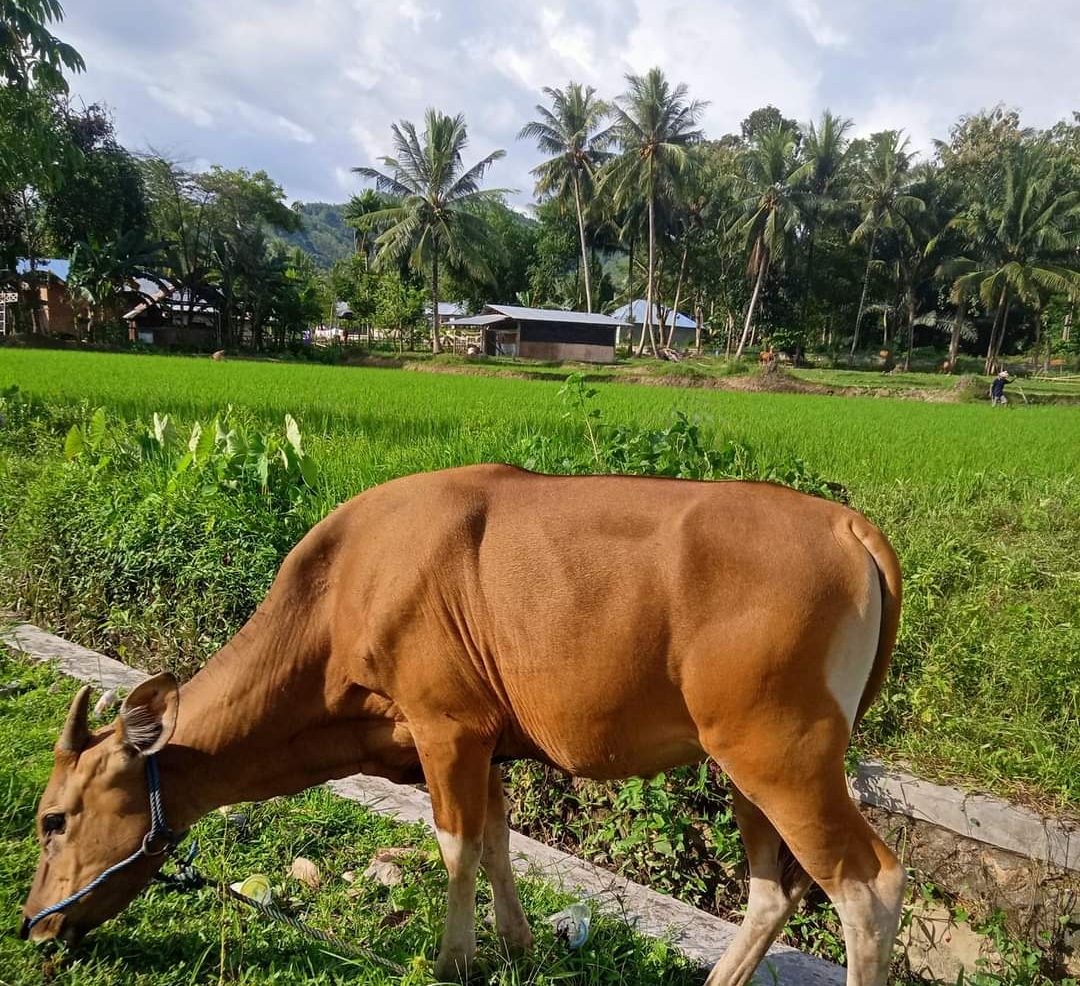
632	317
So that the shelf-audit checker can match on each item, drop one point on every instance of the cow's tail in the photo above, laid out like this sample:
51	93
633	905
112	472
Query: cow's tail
888	567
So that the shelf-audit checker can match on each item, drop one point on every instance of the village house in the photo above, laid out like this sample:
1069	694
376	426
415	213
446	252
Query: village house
632	317
543	333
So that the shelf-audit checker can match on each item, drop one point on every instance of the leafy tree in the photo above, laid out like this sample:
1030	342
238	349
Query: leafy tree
1022	247
571	133
551	272
512	250
433	189
101	269
32	138
99	194
29	52
655	125
764	120
772	209
398	306
880	189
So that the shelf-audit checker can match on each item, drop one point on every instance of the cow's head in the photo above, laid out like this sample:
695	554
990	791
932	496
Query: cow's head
95	811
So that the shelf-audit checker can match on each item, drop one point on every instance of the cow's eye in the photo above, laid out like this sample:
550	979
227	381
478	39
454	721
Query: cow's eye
53	823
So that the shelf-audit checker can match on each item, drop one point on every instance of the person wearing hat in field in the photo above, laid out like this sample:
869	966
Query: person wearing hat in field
997	389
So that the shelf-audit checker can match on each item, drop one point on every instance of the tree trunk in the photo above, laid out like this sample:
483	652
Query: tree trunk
650	292
862	300
911	330
630	297
436	346
808	289
678	296
954	339
996	336
699	317
584	250
750	308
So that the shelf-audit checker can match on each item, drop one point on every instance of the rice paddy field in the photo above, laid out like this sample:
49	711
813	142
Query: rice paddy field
983	506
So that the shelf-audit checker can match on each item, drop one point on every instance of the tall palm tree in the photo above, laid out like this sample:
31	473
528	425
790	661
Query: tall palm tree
655	124
434	218
570	131
825	148
357	208
770	209
1021	247
880	189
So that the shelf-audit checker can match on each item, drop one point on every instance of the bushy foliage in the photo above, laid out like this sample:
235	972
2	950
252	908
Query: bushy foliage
678	451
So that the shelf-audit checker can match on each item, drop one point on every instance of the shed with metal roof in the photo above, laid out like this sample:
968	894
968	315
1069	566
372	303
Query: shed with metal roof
545	333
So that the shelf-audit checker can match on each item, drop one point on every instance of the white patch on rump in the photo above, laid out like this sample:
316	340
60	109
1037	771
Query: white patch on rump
854	646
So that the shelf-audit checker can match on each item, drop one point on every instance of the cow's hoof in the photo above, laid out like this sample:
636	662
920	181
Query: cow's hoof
454	966
518	939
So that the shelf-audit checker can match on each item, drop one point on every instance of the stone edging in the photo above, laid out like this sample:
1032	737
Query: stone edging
700	936
974	816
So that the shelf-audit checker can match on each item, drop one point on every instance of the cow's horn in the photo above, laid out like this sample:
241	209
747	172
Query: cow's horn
76	733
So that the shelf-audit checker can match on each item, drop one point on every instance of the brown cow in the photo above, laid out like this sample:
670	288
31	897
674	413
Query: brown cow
446	622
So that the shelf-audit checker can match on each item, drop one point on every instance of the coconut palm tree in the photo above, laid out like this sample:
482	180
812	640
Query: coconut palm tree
770	209
571	132
880	188
825	148
434	219
655	124
356	209
1022	247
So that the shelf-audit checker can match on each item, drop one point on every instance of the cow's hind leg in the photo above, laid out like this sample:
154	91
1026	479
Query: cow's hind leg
777	884
456	767
798	782
510	919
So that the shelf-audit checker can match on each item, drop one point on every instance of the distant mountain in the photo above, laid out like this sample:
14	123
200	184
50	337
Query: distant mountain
324	234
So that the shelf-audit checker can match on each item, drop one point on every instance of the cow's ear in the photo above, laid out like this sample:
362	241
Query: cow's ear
148	716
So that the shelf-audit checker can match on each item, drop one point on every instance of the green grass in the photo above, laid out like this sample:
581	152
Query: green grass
876	380
983	506
178	939
463	418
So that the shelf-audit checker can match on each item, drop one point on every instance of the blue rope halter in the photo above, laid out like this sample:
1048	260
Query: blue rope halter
159	829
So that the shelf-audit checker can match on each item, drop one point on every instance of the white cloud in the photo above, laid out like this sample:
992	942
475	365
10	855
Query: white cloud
309	95
182	105
416	14
821	30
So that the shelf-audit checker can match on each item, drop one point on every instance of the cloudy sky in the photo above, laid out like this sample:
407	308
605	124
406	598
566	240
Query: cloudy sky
308	88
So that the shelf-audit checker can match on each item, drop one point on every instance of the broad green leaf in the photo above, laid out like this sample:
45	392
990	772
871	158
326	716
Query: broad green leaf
309	470
74	444
292	434
196	435
206	445
96	432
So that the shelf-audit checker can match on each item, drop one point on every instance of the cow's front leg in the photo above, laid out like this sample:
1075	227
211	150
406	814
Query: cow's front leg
509	917
456	768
